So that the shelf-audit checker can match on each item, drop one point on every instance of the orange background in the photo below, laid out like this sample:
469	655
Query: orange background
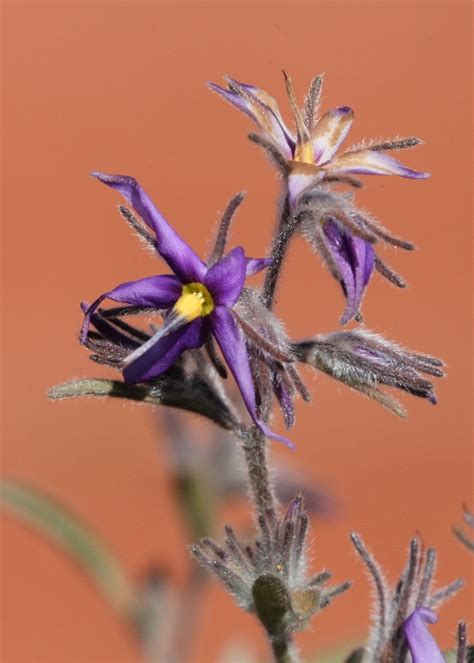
120	87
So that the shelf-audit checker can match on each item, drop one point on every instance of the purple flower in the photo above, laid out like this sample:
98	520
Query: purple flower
197	298
310	154
422	645
354	260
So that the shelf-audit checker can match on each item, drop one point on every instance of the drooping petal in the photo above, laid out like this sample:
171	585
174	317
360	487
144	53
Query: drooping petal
173	249
371	162
232	344
354	258
163	354
256	265
226	278
153	291
422	645
284	394
250	100
330	131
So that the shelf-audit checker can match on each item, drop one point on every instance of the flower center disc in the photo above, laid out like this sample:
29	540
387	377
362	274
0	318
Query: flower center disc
195	301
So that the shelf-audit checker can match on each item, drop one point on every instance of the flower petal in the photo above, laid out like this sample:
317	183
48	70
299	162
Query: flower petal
422	645
302	177
261	108
232	344
163	354
371	162
354	258
330	131
109	331
173	249
226	278
256	265
153	291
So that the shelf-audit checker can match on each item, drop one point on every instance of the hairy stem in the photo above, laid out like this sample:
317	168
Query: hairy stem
281	241
283	650
255	446
256	458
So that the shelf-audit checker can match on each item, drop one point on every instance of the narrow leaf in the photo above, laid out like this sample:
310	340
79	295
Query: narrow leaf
84	547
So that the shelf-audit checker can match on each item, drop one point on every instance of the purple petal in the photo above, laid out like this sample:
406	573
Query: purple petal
226	278
256	265
232	344
285	399
163	354
173	249
330	131
246	99
153	291
109	331
269	101
303	177
422	645
370	162
354	258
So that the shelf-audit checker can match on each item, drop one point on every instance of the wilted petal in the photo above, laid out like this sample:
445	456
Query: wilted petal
284	394
302	177
422	645
172	248
153	291
354	258
261	108
226	278
330	131
370	162
256	265
232	344
163	354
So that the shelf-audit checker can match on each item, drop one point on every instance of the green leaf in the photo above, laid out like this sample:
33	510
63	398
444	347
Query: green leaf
65	529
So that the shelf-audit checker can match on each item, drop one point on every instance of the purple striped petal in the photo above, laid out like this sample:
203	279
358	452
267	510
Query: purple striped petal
163	354
226	278
330	131
245	99
422	645
269	101
285	399
232	344
354	258
109	331
153	291
256	265
173	249
370	162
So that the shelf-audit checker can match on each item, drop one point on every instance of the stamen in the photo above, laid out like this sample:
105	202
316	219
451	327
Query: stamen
173	322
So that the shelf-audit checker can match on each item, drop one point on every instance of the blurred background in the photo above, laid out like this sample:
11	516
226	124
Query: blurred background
120	87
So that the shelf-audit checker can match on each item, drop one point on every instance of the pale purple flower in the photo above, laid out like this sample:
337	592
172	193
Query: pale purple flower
310	152
308	160
198	300
422	645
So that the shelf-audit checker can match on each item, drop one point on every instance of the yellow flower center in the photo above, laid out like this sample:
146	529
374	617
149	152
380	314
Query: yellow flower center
195	301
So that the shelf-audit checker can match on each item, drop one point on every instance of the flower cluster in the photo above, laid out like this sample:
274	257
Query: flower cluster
308	161
208	322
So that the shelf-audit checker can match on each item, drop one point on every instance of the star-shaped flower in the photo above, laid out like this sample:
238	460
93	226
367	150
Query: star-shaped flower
198	300
310	153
